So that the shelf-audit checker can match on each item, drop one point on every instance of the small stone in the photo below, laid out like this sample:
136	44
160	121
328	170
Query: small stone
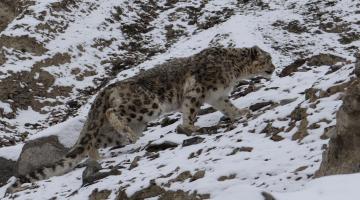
298	114
161	147
276	138
267	196
295	27
135	163
206	111
6	170
302	132
270	130
167	121
258	106
324	59
223	178
192	141
314	126
182	177
287	101
302	168
246	149
99	195
293	67
198	175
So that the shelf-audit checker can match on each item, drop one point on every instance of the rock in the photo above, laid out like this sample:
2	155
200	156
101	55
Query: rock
156	191
343	153
299	169
167	121
99	195
312	94
160	147
6	170
178	195
267	196
357	65
270	130
246	149
134	163
295	27
287	101
182	177
207	111
324	59
293	67
329	132
198	175
92	178
258	106
192	141
182	130
298	114
39	152
208	130
224	178
90	170
302	132
276	138
151	191
332	27
241	149
349	37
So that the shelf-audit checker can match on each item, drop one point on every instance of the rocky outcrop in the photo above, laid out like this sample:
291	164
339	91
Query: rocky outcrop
39	152
343	154
157	191
6	170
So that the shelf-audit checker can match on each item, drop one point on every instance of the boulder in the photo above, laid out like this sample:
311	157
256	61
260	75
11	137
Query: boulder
6	170
39	152
343	153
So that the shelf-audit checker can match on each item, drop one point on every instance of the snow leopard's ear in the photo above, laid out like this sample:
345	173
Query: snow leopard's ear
254	52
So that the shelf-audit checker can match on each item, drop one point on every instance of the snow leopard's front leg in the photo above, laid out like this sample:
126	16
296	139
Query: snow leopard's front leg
192	100
224	105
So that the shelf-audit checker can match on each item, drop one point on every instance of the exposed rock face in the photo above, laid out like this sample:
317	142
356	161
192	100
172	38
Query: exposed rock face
6	170
39	152
343	154
9	9
157	191
357	65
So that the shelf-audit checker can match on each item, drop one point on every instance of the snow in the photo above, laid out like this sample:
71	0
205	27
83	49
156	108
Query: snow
270	166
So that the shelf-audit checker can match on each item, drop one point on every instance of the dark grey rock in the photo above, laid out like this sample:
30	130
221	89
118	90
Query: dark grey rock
260	105
161	147
357	65
92	172
343	153
192	141
293	67
267	196
39	152
99	195
6	170
324	59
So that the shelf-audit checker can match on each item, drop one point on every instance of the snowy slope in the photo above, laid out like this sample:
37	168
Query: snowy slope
277	150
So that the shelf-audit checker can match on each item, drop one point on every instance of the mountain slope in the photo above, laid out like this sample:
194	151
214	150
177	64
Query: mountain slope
79	46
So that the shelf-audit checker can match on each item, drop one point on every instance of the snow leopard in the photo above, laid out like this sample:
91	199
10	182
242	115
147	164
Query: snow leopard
120	111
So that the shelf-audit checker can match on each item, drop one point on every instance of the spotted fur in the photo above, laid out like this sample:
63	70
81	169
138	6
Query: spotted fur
120	112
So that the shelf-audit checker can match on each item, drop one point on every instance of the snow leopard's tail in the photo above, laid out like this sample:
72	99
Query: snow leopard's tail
62	166
83	147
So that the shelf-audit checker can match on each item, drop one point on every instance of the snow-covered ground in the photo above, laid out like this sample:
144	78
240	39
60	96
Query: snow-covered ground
239	162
